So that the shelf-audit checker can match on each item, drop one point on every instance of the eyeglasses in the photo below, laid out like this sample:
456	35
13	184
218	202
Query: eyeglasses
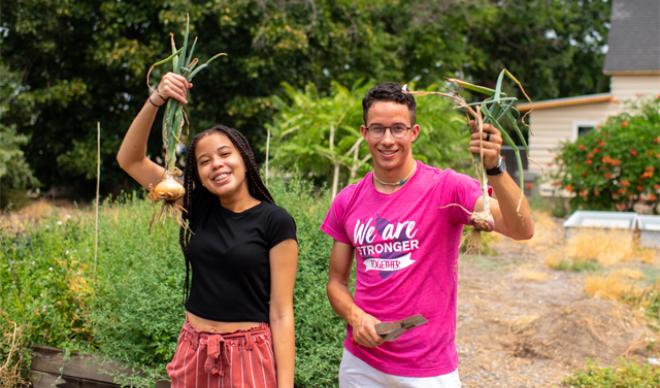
397	130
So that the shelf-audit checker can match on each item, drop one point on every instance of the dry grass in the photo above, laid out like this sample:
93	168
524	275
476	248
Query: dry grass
605	247
627	285
530	275
12	339
558	259
648	255
629	273
615	286
547	231
18	221
591	248
586	248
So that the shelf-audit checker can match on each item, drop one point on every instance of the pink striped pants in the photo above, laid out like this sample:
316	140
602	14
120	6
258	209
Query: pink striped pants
243	358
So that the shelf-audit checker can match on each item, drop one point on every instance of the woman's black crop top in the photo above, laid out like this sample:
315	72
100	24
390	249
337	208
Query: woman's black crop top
229	258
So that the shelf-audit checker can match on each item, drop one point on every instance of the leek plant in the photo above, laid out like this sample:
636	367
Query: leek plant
497	109
175	119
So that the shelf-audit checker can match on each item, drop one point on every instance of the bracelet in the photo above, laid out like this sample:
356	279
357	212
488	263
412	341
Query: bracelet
152	103
160	95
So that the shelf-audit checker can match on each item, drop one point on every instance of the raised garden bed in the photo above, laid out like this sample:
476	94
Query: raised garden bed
647	227
599	220
649	231
50	368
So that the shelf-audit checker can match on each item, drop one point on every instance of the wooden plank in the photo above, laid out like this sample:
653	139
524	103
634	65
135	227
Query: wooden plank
44	380
50	369
52	360
49	380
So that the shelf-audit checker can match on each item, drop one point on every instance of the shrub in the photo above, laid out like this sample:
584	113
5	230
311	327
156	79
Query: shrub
616	166
40	282
319	331
573	265
626	374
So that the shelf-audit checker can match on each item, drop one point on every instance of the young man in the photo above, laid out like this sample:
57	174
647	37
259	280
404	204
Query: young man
401	224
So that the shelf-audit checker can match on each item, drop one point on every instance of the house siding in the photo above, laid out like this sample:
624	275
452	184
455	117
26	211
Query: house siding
626	87
551	127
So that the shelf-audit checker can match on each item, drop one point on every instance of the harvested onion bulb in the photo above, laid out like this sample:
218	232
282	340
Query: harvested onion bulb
168	190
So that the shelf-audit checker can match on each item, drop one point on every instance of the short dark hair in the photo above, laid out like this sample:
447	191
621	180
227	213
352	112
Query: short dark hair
389	91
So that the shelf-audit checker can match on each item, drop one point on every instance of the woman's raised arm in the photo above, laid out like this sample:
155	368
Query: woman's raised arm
132	154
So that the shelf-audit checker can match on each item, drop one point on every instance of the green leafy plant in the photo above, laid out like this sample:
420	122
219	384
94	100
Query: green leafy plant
625	374
616	166
319	135
575	265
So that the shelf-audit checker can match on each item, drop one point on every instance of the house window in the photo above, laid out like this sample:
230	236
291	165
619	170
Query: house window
581	128
584	129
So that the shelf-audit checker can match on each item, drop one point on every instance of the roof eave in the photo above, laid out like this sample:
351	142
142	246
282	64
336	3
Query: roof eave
563	102
612	72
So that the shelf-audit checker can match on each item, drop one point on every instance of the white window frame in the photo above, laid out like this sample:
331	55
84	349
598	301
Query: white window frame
584	123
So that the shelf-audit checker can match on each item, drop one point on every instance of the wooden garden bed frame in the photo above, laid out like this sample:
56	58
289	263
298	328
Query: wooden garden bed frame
50	368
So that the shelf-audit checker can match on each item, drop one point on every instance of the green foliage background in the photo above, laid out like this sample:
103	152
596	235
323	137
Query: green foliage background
301	133
131	308
614	167
625	374
85	61
15	173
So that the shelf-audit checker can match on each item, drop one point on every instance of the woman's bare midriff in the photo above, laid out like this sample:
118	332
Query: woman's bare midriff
201	324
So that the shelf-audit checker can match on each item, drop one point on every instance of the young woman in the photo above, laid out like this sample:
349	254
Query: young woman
242	249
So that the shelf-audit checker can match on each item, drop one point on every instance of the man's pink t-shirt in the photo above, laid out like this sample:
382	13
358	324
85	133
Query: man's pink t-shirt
406	246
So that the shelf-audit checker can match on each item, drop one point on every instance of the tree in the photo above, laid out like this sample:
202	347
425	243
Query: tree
556	47
86	61
320	135
15	174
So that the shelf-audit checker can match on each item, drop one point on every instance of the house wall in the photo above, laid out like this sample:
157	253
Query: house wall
552	126
626	87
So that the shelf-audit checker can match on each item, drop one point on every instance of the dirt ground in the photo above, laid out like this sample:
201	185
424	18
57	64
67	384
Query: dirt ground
522	324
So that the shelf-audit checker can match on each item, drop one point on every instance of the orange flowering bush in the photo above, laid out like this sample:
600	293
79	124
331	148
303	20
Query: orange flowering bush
616	165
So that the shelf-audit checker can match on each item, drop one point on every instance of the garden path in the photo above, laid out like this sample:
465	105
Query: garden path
522	324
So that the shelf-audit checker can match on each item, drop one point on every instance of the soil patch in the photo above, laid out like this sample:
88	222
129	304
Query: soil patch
598	329
522	324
